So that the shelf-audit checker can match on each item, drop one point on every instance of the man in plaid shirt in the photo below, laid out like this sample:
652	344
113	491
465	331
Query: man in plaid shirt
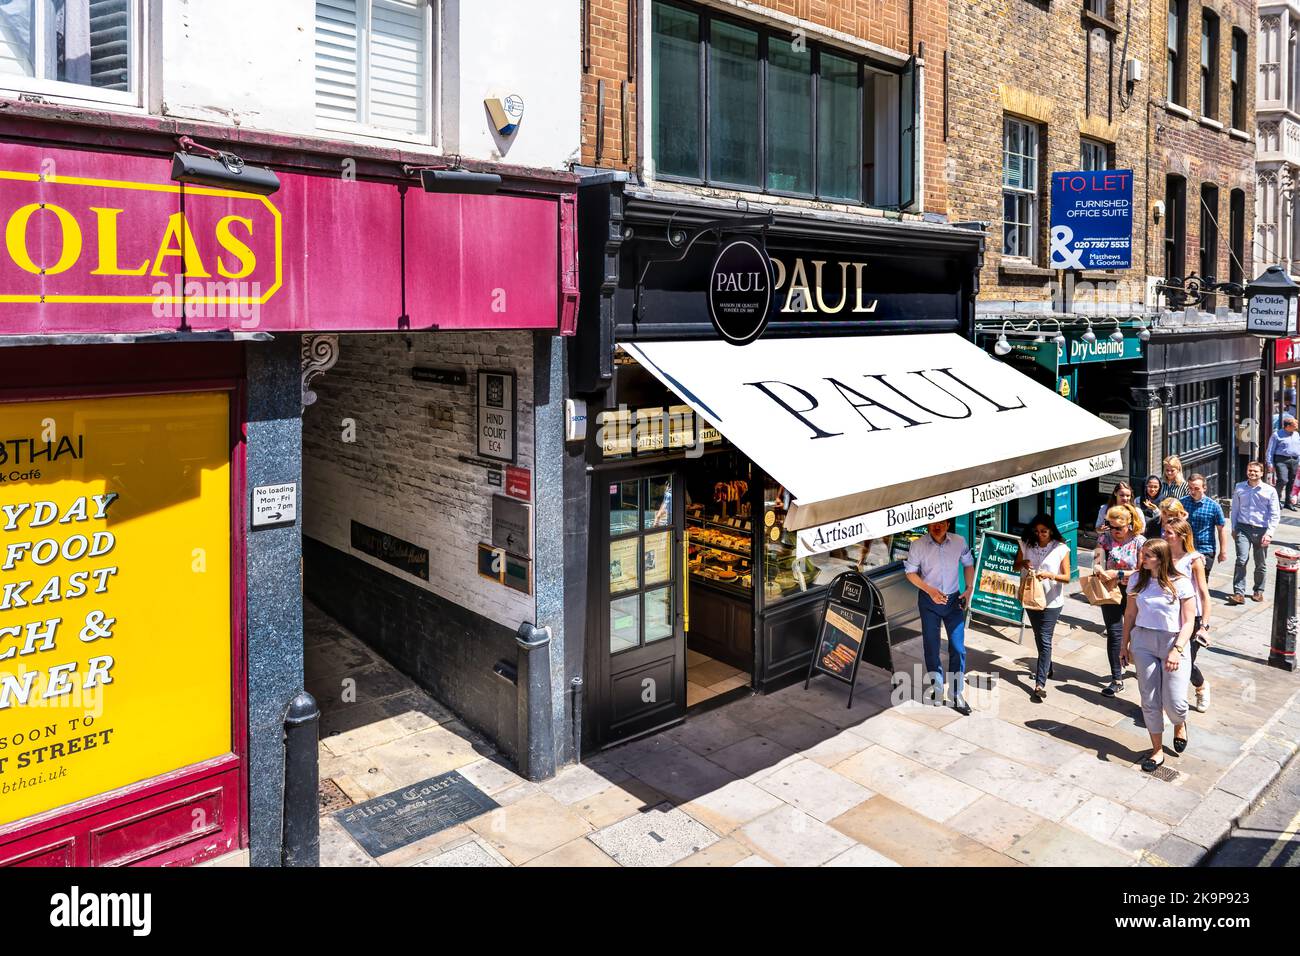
1204	515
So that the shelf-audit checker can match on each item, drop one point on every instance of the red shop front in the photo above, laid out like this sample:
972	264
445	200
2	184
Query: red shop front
158	341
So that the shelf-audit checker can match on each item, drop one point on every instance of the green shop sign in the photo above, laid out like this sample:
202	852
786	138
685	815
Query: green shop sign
1076	351
996	593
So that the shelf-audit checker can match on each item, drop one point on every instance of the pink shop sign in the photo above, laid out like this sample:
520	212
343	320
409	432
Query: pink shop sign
104	243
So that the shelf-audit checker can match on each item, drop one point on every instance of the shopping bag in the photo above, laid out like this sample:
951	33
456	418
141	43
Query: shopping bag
1032	595
1098	592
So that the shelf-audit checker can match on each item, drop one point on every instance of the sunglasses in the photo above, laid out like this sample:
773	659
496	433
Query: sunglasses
1116	527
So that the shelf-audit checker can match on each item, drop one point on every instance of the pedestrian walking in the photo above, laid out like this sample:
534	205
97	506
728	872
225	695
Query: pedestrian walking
1174	485
936	563
1189	561
1121	495
1282	458
1255	517
1207	521
1157	626
1045	554
1170	509
1150	500
1116	554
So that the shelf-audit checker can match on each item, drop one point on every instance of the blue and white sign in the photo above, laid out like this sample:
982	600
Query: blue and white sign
1092	219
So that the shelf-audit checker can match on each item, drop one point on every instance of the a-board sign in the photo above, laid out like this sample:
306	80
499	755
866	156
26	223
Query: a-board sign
849	617
997	582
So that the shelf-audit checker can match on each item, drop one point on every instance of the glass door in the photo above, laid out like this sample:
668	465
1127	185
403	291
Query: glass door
644	649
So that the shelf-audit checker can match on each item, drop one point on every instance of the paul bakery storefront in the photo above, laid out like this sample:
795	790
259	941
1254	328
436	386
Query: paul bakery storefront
151	391
731	483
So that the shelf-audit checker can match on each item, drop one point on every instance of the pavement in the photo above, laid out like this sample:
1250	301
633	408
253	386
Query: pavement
1268	836
794	778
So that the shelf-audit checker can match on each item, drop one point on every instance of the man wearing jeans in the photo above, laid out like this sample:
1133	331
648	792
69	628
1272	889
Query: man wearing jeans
1255	516
1207	521
936	562
1282	457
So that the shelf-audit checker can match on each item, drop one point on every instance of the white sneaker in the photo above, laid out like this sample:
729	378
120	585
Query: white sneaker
1203	698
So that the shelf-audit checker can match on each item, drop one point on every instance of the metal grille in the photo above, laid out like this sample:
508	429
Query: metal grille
1166	773
332	797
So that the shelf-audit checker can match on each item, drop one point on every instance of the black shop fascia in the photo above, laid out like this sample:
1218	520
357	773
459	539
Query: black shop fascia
687	589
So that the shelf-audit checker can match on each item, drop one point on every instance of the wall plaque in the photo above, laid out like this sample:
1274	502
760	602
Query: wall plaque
512	526
412	813
438	376
496	415
392	550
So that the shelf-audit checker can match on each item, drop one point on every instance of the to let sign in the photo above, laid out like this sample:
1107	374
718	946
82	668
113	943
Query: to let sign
1269	314
1092	219
496	415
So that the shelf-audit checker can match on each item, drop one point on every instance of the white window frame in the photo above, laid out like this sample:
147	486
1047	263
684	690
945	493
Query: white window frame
368	131
59	91
1030	161
1096	145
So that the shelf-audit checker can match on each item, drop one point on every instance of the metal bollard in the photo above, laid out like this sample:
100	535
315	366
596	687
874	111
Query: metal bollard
536	723
301	836
575	687
1281	653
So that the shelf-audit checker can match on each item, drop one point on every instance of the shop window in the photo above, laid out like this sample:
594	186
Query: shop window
1094	154
1209	231
372	66
1175	225
82	49
1209	65
740	106
1175	57
1193	429
1238	80
1020	198
1236	241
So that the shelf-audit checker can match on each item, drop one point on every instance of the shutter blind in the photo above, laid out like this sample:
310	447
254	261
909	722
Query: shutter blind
110	44
371	58
336	60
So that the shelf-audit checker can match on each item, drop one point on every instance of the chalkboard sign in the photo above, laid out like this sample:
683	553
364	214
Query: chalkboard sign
853	610
997	583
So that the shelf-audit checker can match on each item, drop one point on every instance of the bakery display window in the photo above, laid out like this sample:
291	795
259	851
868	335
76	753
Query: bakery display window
719	524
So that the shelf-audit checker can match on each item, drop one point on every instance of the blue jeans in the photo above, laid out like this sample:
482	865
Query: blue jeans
1044	623
1247	538
1285	469
953	618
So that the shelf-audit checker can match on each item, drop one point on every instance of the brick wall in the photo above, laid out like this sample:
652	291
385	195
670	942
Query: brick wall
401	474
882	22
1047	64
1184	143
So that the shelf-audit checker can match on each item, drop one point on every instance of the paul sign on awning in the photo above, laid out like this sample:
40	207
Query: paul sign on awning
740	291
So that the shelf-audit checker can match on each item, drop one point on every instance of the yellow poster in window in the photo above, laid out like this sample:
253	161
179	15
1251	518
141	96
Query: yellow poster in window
114	594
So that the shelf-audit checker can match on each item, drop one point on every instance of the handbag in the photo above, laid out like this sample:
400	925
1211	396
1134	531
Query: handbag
1032	594
1098	592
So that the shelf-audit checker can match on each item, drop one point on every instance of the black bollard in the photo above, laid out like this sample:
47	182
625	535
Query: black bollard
1282	651
301	838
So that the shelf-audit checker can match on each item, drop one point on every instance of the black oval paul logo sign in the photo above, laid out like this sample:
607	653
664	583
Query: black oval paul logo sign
740	291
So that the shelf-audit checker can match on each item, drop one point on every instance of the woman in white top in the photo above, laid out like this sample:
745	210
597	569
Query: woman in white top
1187	560
1158	624
1047	557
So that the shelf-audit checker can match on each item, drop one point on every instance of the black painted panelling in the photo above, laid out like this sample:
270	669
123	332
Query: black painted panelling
445	648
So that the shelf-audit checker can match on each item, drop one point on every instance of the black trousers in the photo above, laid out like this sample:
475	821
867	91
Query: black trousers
1113	616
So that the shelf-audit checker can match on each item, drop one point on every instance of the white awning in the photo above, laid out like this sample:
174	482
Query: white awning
875	435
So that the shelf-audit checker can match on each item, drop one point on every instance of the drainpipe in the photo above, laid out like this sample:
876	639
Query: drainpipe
536	724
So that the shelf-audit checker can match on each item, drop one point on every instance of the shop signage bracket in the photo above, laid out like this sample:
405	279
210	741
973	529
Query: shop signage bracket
677	240
854	609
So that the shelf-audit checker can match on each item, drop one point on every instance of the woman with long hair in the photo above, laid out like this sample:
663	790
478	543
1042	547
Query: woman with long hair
1171	509
1114	557
1121	495
1045	555
1157	626
1181	539
1174	485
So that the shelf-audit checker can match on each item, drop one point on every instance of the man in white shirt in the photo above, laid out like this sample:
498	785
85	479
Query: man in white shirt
936	563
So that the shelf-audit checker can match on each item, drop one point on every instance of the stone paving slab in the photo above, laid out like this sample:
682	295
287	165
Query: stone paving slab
789	837
909	783
1050	844
658	837
912	839
808	786
527	829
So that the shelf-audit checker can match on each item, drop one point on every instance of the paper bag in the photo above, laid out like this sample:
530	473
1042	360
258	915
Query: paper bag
1097	591
1033	596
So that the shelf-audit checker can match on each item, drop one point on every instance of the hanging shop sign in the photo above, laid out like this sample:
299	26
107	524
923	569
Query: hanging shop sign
1079	351
115	607
1092	219
105	242
1286	354
997	582
740	291
1270	314
496	415
878	524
